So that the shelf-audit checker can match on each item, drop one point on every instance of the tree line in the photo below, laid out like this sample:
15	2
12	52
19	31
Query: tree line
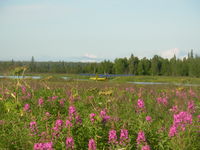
188	66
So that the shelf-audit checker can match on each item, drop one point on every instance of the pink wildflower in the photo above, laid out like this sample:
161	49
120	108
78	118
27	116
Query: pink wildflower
54	98
192	93
69	143
28	95
140	103
112	137
124	139
103	113
92	145
56	129
161	100
182	118
33	127
47	114
59	123
43	146
26	107
62	102
180	121
40	101
191	107
141	137
104	116
148	118
68	123
172	131
78	119
174	109
23	89
146	147
92	117
72	111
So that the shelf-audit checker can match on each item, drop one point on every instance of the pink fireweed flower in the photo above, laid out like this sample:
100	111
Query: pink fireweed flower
112	137
23	89
56	129
92	145
43	146
180	121
33	127
55	132
71	98
40	101
69	143
72	111
146	147
54	98
103	113
26	107
47	114
62	102
172	131
28	95
124	139
33	123
174	109
141	137
192	93
105	119
68	123
92	117
59	123
191	107
104	116
182	118
148	118
78	119
140	103
161	100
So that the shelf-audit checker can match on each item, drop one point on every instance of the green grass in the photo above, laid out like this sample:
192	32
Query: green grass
164	79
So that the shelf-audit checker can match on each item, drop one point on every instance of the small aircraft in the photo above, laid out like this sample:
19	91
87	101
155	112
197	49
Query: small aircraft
97	78
104	77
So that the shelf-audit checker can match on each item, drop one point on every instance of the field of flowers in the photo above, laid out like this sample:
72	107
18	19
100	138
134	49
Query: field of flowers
81	115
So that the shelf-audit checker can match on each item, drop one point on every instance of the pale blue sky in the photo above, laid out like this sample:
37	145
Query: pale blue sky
97	29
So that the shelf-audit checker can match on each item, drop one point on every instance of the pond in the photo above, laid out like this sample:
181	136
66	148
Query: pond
21	77
164	83
66	78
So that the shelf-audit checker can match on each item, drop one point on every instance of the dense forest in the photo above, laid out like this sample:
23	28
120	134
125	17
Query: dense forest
157	65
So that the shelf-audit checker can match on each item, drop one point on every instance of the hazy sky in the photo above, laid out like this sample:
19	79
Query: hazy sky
97	29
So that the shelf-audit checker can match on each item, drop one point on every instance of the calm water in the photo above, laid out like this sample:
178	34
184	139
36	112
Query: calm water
66	78
161	83
21	77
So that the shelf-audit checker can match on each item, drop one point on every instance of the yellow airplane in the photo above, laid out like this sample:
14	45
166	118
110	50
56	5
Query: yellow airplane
98	78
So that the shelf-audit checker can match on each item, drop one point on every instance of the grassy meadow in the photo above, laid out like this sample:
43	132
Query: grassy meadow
71	114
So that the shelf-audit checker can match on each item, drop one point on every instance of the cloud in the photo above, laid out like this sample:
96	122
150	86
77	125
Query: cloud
91	56
170	53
